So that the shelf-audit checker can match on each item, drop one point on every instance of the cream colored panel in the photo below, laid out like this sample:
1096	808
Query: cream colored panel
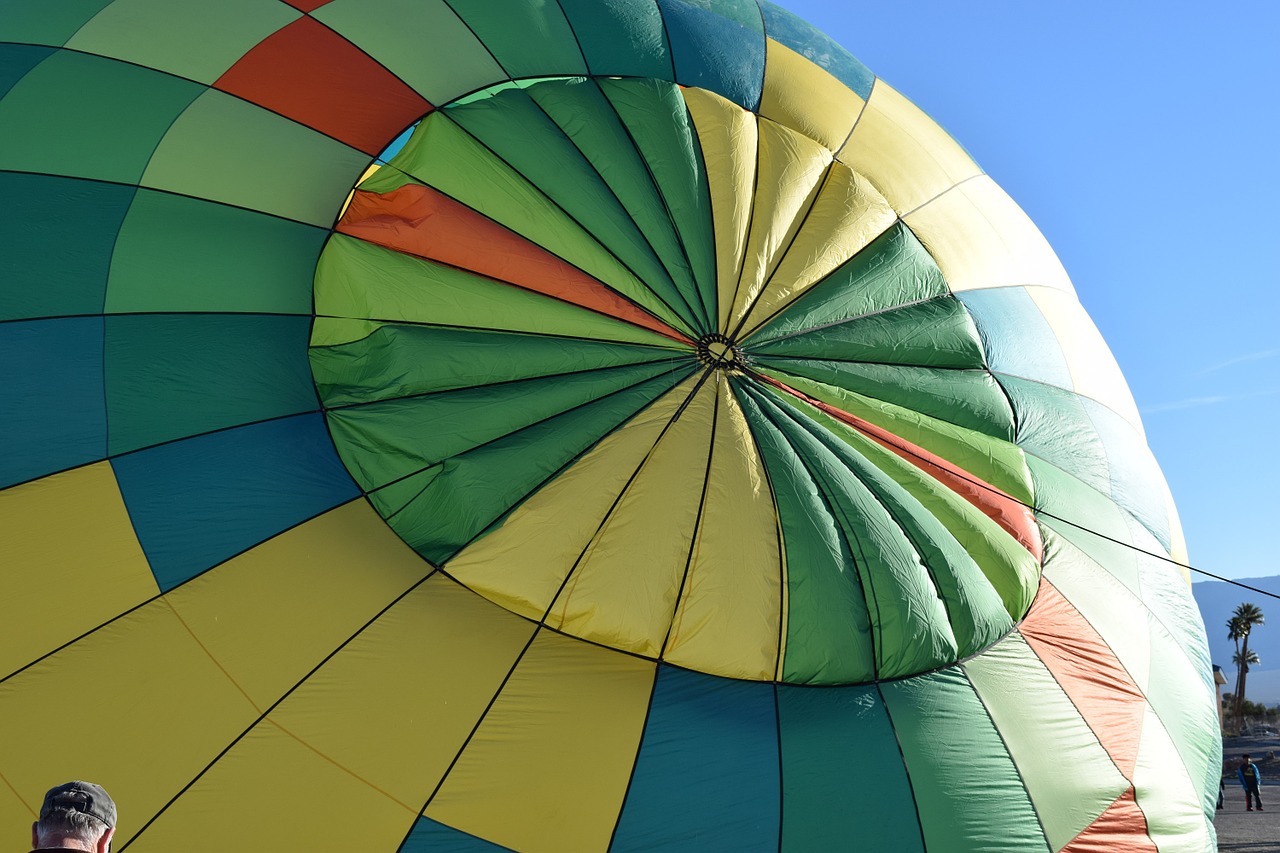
904	153
730	612
67	545
1094	371
981	238
847	215
728	137
1167	795
804	97
549	766
273	613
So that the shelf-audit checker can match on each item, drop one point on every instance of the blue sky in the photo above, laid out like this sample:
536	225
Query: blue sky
1141	138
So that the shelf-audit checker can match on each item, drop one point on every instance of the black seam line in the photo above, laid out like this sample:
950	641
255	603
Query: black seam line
780	257
480	41
595	239
996	374
782	766
666	38
746	234
941	297
553	475
166	592
764	56
700	161
629	388
957	184
577	41
843	527
506	382
643	309
109	315
858	118
639	747
1026	790
626	487
906	767
698	521
263	716
808	358
653	178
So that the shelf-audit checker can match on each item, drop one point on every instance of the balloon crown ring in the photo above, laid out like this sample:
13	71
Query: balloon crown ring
717	351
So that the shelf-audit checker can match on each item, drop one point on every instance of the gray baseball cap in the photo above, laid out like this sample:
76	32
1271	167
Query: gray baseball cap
84	797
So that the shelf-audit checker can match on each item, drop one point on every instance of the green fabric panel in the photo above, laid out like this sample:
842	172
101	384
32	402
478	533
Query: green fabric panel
1016	336
527	39
1135	477
1071	784
358	279
605	142
842	775
444	156
1054	425
1000	463
16	61
228	150
475	490
174	375
384	440
829	632
621	38
933	333
910	629
892	271
43	22
388	500
514	127
177	253
450	62
657	119
200	40
951	536
60	234
970	399
110	116
968	793
402	361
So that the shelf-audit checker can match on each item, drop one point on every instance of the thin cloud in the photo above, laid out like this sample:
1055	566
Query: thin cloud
1240	359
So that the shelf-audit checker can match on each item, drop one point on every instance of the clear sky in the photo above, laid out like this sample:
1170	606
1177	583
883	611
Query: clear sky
1143	139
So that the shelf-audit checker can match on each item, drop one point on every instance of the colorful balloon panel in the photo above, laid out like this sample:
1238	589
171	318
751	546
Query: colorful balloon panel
604	425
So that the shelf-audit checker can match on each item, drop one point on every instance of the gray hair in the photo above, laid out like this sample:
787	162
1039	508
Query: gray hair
69	825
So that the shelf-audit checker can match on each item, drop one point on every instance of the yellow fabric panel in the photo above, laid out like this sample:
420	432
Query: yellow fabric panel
1094	371
523	563
67	545
903	152
369	172
805	97
15	813
548	768
161	711
847	215
376	728
791	170
300	595
623	591
1175	820
728	136
981	238
730	614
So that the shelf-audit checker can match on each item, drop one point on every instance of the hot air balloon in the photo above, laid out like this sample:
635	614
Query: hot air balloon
581	426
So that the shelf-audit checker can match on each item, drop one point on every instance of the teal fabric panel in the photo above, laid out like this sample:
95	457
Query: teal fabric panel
1017	337
199	502
706	778
843	783
61	233
719	46
620	38
968	793
527	39
429	836
52	414
16	60
174	375
45	22
818	47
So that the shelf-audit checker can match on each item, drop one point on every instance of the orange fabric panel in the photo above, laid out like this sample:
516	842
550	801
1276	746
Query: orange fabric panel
421	221
1012	515
1122	828
314	76
1088	671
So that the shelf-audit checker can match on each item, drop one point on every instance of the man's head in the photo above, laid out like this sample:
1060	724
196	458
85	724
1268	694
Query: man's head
1246	757
75	816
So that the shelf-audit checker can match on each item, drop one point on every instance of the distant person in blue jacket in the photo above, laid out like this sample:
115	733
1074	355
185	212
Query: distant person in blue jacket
1250	778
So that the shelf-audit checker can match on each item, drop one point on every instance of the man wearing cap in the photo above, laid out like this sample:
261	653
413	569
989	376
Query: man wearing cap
75	816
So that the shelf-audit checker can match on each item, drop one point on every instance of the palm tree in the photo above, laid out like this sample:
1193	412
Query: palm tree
1235	630
1246	617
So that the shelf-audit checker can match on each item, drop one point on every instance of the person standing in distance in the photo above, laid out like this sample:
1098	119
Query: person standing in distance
75	816
1250	778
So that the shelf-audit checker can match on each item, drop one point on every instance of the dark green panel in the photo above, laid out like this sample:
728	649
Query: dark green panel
621	38
527	39
183	254
16	60
967	398
59	235
843	783
49	22
967	790
892	270
1053	425
109	118
174	375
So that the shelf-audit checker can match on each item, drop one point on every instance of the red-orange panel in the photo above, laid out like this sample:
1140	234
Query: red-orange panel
1122	828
